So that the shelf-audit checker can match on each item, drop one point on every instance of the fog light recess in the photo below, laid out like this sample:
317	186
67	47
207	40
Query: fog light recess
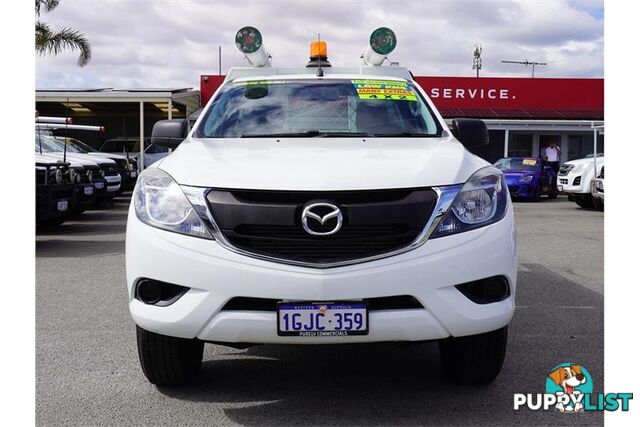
154	292
486	291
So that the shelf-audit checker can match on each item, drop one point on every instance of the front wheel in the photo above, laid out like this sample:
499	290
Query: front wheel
475	359
168	361
598	204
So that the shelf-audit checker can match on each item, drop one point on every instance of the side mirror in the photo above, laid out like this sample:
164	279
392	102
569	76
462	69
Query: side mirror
470	132
169	133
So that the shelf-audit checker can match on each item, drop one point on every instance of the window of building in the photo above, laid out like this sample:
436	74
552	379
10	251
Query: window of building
520	145
581	145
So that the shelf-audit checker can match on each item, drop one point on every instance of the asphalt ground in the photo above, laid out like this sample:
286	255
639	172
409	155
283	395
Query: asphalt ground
87	369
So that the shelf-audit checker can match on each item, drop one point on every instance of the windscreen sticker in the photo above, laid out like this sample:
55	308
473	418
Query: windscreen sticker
384	90
258	83
529	162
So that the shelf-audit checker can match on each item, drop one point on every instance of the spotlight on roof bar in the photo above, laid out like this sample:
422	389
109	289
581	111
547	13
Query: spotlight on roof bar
249	42
381	43
318	54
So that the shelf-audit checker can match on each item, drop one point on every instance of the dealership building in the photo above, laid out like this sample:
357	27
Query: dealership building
523	114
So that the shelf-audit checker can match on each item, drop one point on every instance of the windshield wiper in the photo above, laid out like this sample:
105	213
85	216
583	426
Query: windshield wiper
307	133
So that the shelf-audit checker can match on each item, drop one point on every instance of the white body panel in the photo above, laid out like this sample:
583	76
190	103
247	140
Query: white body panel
215	274
582	168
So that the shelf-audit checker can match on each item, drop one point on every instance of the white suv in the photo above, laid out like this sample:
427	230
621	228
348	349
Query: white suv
575	176
320	205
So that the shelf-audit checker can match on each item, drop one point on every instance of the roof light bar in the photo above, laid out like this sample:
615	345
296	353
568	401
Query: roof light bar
249	42
381	43
58	120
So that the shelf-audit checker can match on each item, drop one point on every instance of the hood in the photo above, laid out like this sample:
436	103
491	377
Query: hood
83	158
111	156
53	158
587	161
322	164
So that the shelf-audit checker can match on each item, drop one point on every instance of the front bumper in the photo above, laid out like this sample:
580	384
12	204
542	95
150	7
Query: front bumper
573	183
47	198
521	189
215	275
85	195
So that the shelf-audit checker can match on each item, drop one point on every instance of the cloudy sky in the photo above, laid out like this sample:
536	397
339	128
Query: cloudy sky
169	43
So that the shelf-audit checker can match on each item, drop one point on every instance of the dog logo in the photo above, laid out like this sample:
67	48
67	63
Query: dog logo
571	380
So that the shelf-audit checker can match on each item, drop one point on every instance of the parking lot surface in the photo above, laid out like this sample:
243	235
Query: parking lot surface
87	369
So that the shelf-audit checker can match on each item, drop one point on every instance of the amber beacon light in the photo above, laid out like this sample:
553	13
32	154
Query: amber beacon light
318	54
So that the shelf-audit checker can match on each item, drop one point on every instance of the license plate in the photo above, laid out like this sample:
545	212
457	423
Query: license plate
133	174
63	205
326	319
88	191
99	185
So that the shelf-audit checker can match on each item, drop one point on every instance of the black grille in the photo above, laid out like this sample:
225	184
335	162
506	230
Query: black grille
269	222
400	302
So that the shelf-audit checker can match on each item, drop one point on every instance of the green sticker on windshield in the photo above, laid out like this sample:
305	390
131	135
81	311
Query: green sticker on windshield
384	90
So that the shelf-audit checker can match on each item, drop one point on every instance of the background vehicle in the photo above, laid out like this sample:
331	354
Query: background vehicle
127	165
54	191
597	191
106	179
575	179
131	147
528	177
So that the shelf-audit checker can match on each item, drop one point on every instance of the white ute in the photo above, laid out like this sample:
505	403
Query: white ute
320	205
575	177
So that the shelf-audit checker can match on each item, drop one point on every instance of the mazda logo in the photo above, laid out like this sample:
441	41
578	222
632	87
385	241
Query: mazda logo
321	212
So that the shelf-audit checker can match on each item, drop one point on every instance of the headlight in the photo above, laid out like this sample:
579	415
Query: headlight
481	201
159	202
90	176
527	178
577	169
102	174
73	175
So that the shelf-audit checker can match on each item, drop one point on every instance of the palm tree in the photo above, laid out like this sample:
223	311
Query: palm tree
54	41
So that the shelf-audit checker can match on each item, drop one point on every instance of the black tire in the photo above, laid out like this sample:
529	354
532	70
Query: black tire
52	222
598	204
584	202
168	361
536	195
475	359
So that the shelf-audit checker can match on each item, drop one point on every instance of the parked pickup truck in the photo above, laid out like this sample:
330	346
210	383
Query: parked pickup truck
107	181
54	191
321	205
575	179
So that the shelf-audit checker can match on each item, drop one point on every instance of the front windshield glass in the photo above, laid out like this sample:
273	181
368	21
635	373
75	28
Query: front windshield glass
322	107
49	144
121	146
78	146
518	164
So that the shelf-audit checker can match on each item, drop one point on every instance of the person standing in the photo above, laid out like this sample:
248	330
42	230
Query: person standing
552	156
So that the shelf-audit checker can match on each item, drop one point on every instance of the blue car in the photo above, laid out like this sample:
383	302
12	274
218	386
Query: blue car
528	177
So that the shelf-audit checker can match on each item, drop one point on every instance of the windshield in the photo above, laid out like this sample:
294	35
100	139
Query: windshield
78	146
121	146
518	164
282	108
49	144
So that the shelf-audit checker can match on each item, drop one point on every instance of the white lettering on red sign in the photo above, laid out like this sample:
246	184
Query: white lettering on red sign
459	93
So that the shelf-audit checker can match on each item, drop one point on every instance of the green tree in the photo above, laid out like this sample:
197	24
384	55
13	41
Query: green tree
54	41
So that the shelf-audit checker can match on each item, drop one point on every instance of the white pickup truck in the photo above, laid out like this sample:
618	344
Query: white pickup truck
321	205
575	176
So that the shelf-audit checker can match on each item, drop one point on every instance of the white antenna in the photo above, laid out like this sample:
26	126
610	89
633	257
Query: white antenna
477	59
526	63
